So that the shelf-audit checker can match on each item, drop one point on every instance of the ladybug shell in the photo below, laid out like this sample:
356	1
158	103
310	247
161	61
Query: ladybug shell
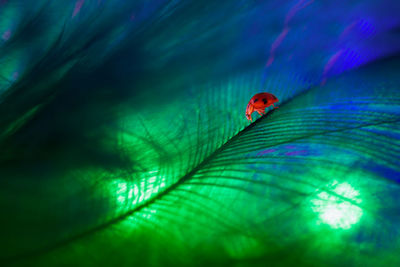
263	100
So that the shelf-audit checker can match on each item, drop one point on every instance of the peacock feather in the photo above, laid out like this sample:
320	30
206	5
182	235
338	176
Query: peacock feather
124	141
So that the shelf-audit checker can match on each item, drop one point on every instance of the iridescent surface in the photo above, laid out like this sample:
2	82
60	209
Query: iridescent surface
124	141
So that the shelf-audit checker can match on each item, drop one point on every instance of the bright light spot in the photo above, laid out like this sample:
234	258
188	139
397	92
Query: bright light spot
162	184
121	191
152	179
338	209
129	193
126	191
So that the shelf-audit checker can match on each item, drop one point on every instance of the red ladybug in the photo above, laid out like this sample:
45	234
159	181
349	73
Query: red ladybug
259	102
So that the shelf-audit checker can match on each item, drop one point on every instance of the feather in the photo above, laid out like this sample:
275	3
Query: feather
124	141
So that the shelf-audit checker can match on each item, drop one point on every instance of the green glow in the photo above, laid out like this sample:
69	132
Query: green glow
126	193
334	210
129	193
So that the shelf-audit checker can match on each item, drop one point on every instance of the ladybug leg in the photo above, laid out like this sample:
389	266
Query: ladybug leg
248	116
274	106
261	111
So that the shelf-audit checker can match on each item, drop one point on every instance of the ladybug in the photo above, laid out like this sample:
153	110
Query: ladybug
259	102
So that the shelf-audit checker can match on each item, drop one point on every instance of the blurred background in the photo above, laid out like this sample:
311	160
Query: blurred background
124	141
